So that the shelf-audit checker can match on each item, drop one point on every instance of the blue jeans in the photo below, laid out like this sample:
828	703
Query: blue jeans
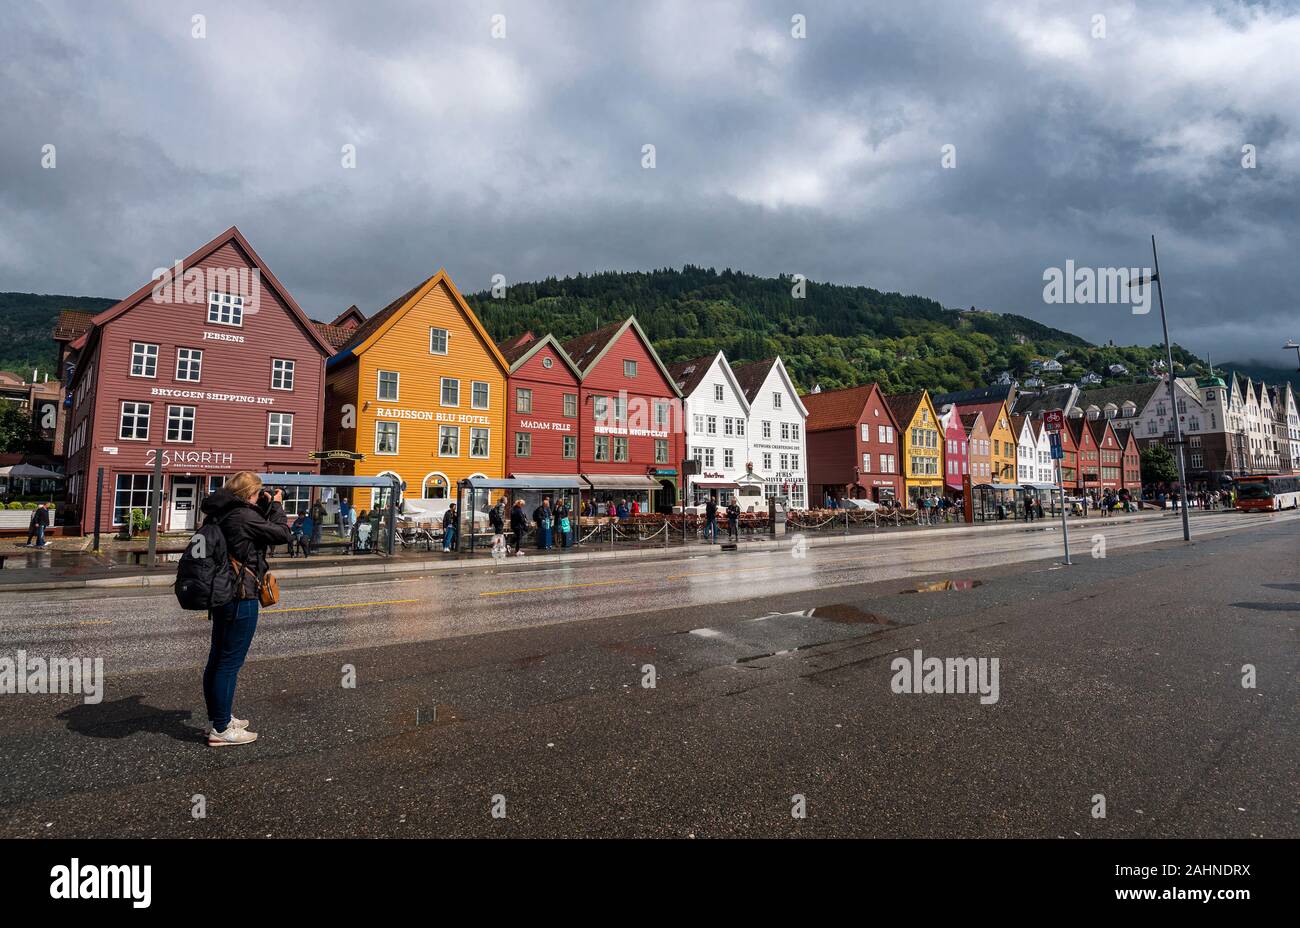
40	536
233	626
711	530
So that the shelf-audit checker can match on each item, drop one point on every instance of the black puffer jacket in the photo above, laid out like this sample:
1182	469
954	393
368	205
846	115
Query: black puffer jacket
249	531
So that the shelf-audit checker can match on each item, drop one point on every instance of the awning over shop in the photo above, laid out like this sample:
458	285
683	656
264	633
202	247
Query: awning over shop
1039	486
621	482
524	482
716	484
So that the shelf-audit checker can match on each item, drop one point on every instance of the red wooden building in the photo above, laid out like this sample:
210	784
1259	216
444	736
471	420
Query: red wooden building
213	368
542	428
1110	449
631	437
854	446
1132	458
1085	442
956	459
1069	460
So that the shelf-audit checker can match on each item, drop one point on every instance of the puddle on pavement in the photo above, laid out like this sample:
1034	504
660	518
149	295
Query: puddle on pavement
846	614
942	586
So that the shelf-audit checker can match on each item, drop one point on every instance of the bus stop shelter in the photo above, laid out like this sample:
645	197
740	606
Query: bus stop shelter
313	481
469	490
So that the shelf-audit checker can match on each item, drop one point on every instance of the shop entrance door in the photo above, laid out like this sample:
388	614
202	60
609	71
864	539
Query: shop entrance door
184	504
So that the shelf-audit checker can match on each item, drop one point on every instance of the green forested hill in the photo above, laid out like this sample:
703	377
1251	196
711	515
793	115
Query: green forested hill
26	321
835	335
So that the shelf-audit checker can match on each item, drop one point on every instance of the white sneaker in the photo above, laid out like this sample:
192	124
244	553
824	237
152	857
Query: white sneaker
232	735
238	723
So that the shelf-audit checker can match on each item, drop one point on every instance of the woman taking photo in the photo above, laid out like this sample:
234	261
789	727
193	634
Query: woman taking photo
251	520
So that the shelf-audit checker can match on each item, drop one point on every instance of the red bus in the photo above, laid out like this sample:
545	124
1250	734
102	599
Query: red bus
1267	493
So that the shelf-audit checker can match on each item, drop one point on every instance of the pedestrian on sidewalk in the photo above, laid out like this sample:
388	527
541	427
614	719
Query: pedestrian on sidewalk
296	534
733	520
542	519
497	519
308	532
450	521
711	520
251	521
563	523
40	521
518	526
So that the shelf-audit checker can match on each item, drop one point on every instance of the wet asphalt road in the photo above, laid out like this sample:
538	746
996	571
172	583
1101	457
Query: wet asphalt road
1118	676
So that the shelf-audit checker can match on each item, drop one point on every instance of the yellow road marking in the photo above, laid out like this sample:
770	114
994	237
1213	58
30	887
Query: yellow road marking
561	586
377	602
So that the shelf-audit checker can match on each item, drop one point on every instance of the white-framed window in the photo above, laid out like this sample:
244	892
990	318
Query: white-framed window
523	444
600	409
728	458
523	400
438	341
785	431
279	429
711	425
134	423
717	392
131	492
629	368
144	360
866	462
776	400
478	442
571	447
180	424
620	448
785	462
661	450
450	391
570	405
699	423
767	460
708	457
225	309
189	364
448	441
388	385
600	448
480	394
386	437
794	462
767	428
728	426
281	374
794	431
740	426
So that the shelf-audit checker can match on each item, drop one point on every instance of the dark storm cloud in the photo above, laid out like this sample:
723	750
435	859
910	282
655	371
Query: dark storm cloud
521	155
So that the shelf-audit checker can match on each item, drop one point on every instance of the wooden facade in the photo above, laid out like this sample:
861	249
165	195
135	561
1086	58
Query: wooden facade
853	446
420	391
212	368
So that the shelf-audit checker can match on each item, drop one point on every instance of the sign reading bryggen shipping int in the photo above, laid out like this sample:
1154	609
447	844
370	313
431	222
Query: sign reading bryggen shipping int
419	389
210	369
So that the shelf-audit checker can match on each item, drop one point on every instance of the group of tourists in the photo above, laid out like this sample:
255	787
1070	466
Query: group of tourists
621	509
551	522
711	520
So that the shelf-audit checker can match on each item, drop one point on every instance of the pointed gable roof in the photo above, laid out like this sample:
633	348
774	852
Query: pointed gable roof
903	406
688	375
373	328
587	350
753	375
522	348
840	409
992	412
230	235
350	318
336	335
72	324
969	421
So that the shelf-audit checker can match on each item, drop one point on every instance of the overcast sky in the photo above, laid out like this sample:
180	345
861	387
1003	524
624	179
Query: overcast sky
523	156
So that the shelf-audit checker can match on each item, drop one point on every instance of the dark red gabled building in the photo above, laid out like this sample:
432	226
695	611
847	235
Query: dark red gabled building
1085	444
542	406
212	369
631	438
854	446
1110	451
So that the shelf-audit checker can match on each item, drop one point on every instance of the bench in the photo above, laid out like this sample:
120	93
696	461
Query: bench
138	555
344	543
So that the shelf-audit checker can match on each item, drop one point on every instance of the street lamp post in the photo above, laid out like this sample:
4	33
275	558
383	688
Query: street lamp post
1296	345
1173	396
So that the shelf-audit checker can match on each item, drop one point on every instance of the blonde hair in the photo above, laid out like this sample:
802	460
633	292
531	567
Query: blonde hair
244	484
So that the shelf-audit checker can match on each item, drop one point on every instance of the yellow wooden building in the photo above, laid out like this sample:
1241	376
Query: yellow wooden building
921	437
420	390
1002	437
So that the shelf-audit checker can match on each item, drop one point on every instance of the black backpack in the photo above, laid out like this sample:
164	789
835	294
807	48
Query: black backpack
205	578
